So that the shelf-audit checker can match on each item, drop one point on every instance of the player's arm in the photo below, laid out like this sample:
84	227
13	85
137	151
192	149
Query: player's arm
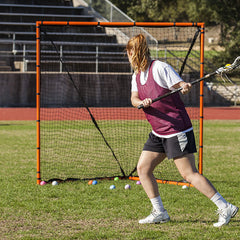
136	101
184	85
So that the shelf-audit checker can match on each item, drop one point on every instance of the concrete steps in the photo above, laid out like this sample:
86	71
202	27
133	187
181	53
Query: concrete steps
230	93
4	67
18	37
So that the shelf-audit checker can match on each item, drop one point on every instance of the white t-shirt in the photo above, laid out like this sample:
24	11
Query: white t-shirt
164	75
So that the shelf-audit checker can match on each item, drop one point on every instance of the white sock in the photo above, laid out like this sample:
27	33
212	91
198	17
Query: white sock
157	204
219	200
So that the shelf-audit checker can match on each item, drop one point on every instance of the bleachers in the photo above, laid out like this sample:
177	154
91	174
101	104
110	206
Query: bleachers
18	38
39	2
40	9
91	37
33	17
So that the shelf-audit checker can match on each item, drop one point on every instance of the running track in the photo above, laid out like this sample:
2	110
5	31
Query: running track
210	113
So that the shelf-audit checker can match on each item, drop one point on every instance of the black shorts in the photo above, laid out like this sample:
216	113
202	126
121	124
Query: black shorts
173	147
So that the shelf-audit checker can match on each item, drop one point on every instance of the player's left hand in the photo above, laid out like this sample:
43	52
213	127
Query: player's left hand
186	87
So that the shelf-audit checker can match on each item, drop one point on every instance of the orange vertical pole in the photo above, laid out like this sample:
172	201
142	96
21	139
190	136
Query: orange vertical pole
38	98
200	167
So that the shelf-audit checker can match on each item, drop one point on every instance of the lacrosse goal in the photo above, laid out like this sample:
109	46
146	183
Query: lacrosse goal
86	126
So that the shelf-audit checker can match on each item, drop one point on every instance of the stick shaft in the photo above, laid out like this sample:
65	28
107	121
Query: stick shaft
179	89
221	70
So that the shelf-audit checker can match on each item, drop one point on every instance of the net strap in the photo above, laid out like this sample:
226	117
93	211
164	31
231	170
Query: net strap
189	51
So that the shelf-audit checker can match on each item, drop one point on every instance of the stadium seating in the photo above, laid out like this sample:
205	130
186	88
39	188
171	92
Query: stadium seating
18	37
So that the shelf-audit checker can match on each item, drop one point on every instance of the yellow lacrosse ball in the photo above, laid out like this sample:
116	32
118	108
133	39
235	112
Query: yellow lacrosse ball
227	65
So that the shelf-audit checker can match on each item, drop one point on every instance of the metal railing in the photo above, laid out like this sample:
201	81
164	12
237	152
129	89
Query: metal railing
23	52
104	10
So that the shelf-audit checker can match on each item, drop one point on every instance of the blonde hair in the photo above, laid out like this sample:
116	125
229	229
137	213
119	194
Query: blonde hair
140	57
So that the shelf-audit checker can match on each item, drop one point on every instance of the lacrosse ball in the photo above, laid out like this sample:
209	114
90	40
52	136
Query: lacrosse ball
94	182
54	183
127	186
90	182
42	183
138	183
184	187
116	178
112	187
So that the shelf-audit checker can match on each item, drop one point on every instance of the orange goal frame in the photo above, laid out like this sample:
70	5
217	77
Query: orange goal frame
122	24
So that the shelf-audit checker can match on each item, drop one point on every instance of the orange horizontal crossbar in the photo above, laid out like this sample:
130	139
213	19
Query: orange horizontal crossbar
166	182
168	24
123	24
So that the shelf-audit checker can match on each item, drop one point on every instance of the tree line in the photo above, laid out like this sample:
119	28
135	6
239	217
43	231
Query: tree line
225	13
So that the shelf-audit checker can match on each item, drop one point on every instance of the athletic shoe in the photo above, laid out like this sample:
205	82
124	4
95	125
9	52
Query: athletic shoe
225	215
156	217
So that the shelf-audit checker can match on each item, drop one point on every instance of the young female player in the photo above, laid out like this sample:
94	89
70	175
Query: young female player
172	133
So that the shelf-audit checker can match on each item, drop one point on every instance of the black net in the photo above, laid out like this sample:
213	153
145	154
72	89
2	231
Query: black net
88	128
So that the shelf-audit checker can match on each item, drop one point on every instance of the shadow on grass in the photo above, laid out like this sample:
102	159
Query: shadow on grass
202	221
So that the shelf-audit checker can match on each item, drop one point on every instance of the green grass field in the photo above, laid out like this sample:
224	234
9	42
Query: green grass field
79	211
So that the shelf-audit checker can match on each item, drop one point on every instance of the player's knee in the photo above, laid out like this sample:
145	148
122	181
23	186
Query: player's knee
139	169
190	177
142	169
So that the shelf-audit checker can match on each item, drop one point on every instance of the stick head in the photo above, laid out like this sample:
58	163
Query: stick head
229	67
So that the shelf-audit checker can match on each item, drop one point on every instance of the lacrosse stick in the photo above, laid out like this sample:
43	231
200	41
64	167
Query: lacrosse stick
222	71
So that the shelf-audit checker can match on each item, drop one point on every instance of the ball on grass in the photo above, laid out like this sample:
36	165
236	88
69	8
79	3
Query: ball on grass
54	183
94	182
116	178
138	183
90	182
127	186
112	187
42	183
184	187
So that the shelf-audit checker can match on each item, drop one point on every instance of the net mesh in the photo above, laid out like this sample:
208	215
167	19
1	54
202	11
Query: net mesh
88	128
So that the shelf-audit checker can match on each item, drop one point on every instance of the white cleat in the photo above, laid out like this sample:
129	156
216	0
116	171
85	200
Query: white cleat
225	215
156	217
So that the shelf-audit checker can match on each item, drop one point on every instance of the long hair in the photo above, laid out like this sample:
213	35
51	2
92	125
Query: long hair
140	58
